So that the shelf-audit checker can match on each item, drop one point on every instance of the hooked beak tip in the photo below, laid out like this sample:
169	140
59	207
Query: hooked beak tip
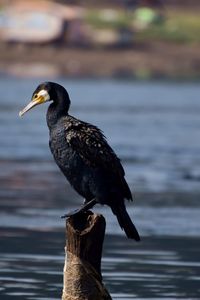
20	114
28	107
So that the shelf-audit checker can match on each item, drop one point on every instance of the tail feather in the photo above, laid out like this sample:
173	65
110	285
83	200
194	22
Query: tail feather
125	222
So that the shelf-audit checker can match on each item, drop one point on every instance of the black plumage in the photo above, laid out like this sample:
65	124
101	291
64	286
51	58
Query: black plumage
84	156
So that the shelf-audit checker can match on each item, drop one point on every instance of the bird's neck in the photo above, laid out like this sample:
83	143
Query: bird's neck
55	111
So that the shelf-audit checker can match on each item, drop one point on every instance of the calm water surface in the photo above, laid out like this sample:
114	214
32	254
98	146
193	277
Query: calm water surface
155	129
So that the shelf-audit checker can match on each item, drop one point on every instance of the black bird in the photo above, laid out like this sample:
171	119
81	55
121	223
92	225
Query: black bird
84	156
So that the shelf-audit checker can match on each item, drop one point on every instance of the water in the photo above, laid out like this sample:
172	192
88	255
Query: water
155	129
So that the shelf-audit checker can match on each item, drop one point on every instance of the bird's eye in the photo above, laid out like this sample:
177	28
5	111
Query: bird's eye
35	96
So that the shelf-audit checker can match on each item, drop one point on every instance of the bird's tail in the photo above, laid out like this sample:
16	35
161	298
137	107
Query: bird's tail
125	222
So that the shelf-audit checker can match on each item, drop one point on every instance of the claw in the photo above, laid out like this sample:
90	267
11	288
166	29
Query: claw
84	208
71	213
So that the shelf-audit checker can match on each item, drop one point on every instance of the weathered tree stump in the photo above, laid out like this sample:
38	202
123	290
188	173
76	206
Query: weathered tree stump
82	269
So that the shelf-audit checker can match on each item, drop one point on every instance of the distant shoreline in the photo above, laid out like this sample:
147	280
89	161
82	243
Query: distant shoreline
156	60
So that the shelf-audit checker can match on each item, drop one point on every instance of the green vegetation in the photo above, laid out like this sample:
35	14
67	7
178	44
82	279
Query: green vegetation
107	18
177	26
180	27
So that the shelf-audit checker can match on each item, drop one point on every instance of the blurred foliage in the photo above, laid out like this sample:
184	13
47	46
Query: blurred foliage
106	18
174	26
181	27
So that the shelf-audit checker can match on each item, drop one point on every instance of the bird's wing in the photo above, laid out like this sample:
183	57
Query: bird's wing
89	142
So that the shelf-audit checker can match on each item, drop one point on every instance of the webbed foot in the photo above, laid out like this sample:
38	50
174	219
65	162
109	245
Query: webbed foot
82	209
71	213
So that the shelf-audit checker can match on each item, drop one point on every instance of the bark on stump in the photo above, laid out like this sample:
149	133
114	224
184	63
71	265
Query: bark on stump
82	269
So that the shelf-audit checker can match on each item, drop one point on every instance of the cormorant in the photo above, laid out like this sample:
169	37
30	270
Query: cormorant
84	156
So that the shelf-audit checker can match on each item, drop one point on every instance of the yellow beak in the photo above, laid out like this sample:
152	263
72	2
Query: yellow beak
33	103
38	98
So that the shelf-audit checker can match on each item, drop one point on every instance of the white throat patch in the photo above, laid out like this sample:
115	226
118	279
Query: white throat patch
44	94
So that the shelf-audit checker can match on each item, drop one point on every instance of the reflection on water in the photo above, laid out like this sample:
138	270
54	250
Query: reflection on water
32	263
155	130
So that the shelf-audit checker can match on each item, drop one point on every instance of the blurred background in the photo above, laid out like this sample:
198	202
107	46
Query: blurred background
133	69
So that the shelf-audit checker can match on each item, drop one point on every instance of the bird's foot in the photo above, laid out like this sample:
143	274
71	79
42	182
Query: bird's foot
71	213
83	209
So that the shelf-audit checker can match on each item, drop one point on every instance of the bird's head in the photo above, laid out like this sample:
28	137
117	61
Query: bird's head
48	91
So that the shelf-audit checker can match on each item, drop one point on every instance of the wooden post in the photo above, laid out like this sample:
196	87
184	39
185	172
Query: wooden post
82	269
